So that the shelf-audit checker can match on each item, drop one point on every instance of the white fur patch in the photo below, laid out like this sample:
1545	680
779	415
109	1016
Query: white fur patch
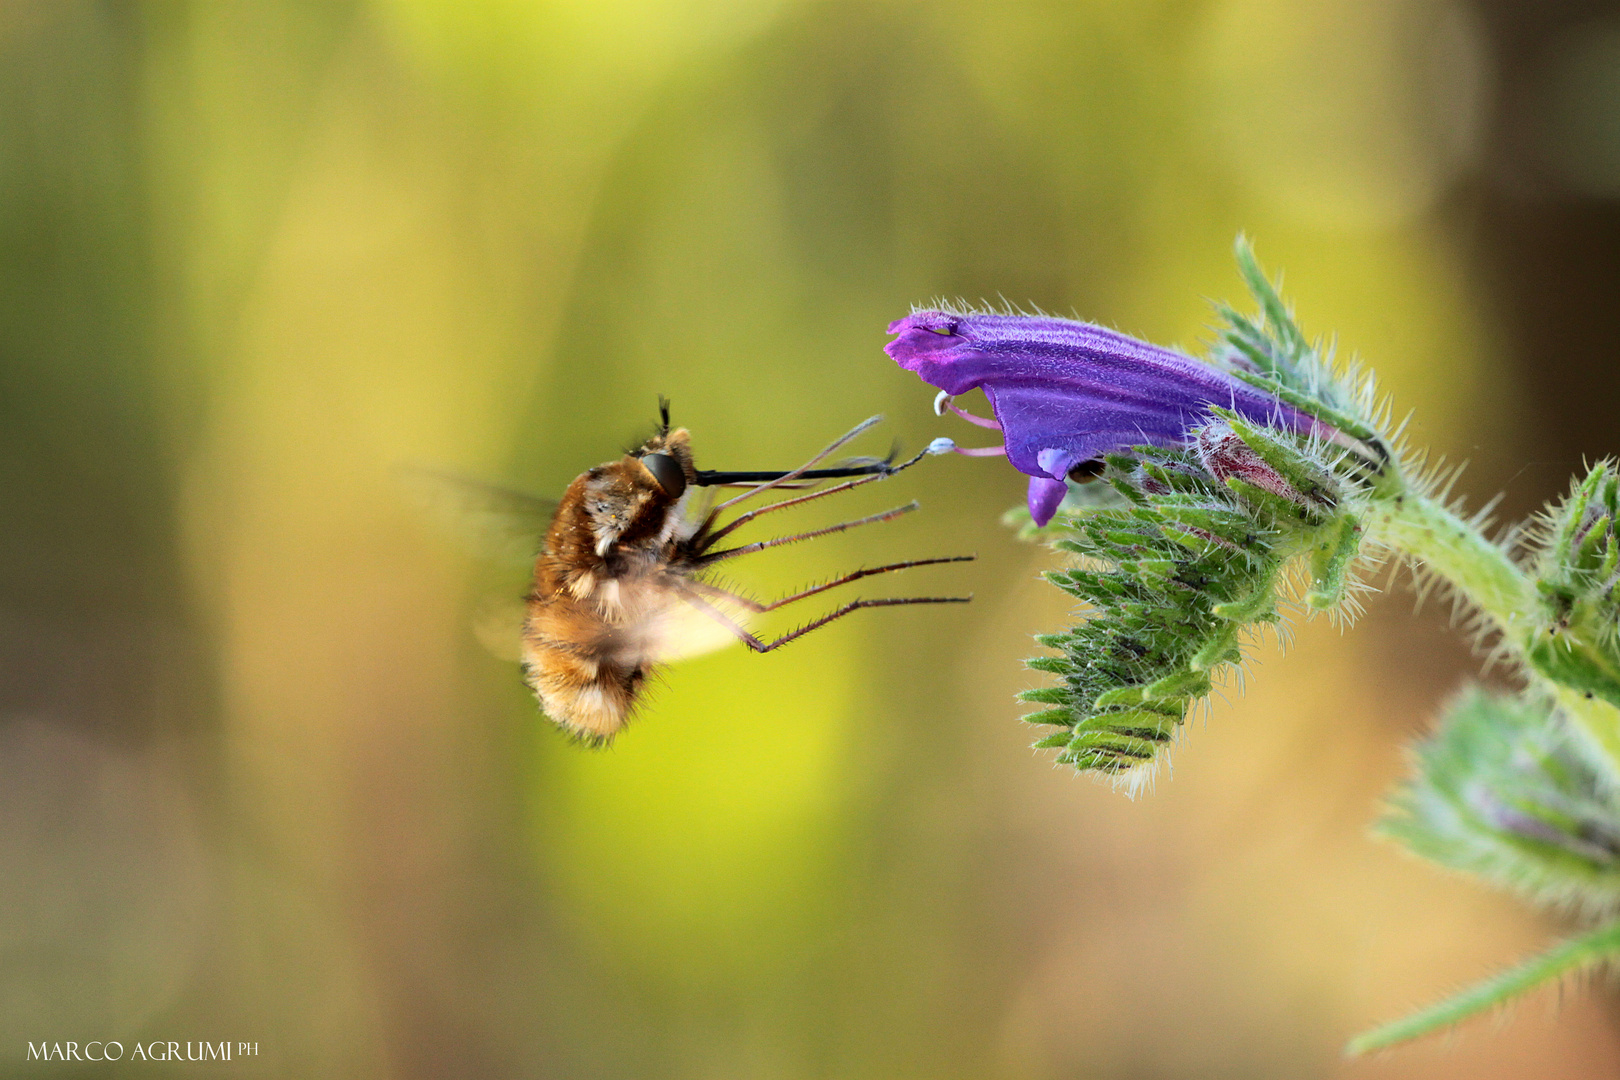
582	586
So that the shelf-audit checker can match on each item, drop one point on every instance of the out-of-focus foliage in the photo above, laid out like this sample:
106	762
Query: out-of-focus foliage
1575	576
1501	793
263	784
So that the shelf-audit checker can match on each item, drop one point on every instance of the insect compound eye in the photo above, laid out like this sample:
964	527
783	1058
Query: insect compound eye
667	471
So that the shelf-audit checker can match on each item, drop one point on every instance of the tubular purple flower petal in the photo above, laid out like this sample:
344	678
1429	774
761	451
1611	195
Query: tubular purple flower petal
1044	497
1067	392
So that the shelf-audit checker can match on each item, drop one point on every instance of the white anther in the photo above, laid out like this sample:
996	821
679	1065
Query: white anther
941	399
942	446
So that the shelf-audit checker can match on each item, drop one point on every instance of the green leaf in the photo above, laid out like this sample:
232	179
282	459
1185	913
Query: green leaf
1330	563
1278	319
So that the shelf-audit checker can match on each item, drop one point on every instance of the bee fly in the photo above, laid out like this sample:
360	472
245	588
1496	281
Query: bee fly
619	586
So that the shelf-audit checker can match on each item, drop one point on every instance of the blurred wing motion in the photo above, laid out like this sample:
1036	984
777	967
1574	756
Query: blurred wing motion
680	631
493	522
686	631
498	625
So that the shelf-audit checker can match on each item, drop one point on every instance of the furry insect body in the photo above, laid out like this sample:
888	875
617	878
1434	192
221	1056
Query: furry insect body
618	587
605	586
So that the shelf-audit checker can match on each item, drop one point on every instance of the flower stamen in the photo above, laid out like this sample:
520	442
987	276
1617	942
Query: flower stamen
948	446
943	401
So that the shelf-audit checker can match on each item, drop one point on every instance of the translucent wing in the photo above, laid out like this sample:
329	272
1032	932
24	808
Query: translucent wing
686	630
492	521
498	625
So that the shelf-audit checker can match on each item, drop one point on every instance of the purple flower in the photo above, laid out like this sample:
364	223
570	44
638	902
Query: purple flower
1065	393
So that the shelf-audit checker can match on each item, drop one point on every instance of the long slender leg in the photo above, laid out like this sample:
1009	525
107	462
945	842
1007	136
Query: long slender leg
857	605
760	545
726	594
759	609
799	485
854	605
796	473
742	519
858	574
703	538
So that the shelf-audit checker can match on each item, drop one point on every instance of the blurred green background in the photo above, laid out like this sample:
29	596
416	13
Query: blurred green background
259	782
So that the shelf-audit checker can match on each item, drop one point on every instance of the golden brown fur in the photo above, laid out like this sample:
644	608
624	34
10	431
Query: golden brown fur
602	603
618	588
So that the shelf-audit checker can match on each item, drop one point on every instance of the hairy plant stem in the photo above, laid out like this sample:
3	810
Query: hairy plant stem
1423	529
1570	956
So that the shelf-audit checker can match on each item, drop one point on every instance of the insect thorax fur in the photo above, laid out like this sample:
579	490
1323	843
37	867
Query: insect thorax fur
604	589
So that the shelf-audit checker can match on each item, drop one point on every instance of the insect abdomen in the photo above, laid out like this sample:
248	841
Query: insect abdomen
589	699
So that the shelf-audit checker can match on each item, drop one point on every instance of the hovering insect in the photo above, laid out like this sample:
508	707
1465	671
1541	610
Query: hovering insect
619	586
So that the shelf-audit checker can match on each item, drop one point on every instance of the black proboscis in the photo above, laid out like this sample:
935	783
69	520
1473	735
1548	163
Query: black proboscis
715	477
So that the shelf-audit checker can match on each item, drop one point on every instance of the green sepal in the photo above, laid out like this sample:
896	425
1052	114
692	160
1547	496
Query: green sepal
1293	466
1123	751
1258	606
1156	571
1334	551
1589	555
1278	319
1179	684
1567	659
1573	510
1199	543
1226	524
1221	648
1335	418
1284	510
1063	716
1251	341
1174	479
1123	695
